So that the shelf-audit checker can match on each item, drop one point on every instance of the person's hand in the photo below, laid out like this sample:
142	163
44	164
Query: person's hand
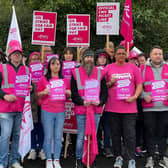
131	99
46	91
95	103
111	82
68	93
31	88
10	98
148	99
86	104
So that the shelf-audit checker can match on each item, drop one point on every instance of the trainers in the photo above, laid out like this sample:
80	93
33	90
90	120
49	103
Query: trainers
132	163
118	162
164	163
149	163
41	155
49	163
138	152
79	164
56	164
16	165
32	155
107	152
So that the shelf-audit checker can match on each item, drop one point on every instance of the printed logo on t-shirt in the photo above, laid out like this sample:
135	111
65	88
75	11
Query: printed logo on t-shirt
122	76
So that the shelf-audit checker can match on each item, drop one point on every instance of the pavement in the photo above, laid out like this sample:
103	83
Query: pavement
69	162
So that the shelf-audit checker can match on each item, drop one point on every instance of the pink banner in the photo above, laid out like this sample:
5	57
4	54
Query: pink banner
57	89
67	67
44	28
22	84
92	90
70	125
159	90
127	25
78	30
124	89
49	56
37	71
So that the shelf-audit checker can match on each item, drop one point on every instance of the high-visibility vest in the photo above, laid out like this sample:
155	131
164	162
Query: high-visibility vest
8	84
148	77
81	76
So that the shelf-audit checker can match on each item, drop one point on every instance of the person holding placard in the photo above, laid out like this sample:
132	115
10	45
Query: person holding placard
124	82
101	60
53	90
37	135
14	86
68	64
155	105
89	91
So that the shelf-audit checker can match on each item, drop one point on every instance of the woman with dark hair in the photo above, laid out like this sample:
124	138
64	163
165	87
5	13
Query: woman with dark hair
68	54
53	90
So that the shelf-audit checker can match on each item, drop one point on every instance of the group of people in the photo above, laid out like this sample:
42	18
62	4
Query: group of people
116	89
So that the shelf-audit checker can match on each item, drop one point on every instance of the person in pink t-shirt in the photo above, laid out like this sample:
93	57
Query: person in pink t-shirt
124	82
53	90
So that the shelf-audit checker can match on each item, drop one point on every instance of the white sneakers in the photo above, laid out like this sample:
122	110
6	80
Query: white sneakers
1	166
32	155
52	164
56	164
164	163
118	162
16	165
41	155
49	163
149	163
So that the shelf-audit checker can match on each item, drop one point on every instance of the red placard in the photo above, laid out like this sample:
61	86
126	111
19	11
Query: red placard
70	125
78	30
44	28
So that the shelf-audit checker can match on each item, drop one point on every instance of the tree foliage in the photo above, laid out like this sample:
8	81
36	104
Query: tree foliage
150	21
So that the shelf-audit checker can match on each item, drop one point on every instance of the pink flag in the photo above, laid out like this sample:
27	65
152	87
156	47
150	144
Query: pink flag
126	25
90	130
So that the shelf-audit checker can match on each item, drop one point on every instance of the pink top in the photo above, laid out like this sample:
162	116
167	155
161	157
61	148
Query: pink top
53	106
126	71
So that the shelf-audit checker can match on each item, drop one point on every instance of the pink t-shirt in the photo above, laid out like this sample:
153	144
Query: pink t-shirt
53	106
128	72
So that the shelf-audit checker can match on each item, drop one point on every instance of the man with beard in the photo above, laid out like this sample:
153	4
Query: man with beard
86	73
155	105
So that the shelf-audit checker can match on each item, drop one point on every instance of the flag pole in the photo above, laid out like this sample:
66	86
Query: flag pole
43	54
88	152
78	54
107	41
127	49
66	145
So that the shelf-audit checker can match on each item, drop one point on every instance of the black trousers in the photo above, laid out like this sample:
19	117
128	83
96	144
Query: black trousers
123	126
155	130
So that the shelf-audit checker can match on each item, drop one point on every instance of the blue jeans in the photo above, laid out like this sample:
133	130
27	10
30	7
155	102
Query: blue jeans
81	120
53	128
10	123
37	134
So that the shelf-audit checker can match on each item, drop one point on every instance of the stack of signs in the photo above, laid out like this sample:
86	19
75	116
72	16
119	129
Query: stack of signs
108	18
92	90
67	67
78	30
37	71
22	84
57	89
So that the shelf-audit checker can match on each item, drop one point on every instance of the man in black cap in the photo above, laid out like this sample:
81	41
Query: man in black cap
86	73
